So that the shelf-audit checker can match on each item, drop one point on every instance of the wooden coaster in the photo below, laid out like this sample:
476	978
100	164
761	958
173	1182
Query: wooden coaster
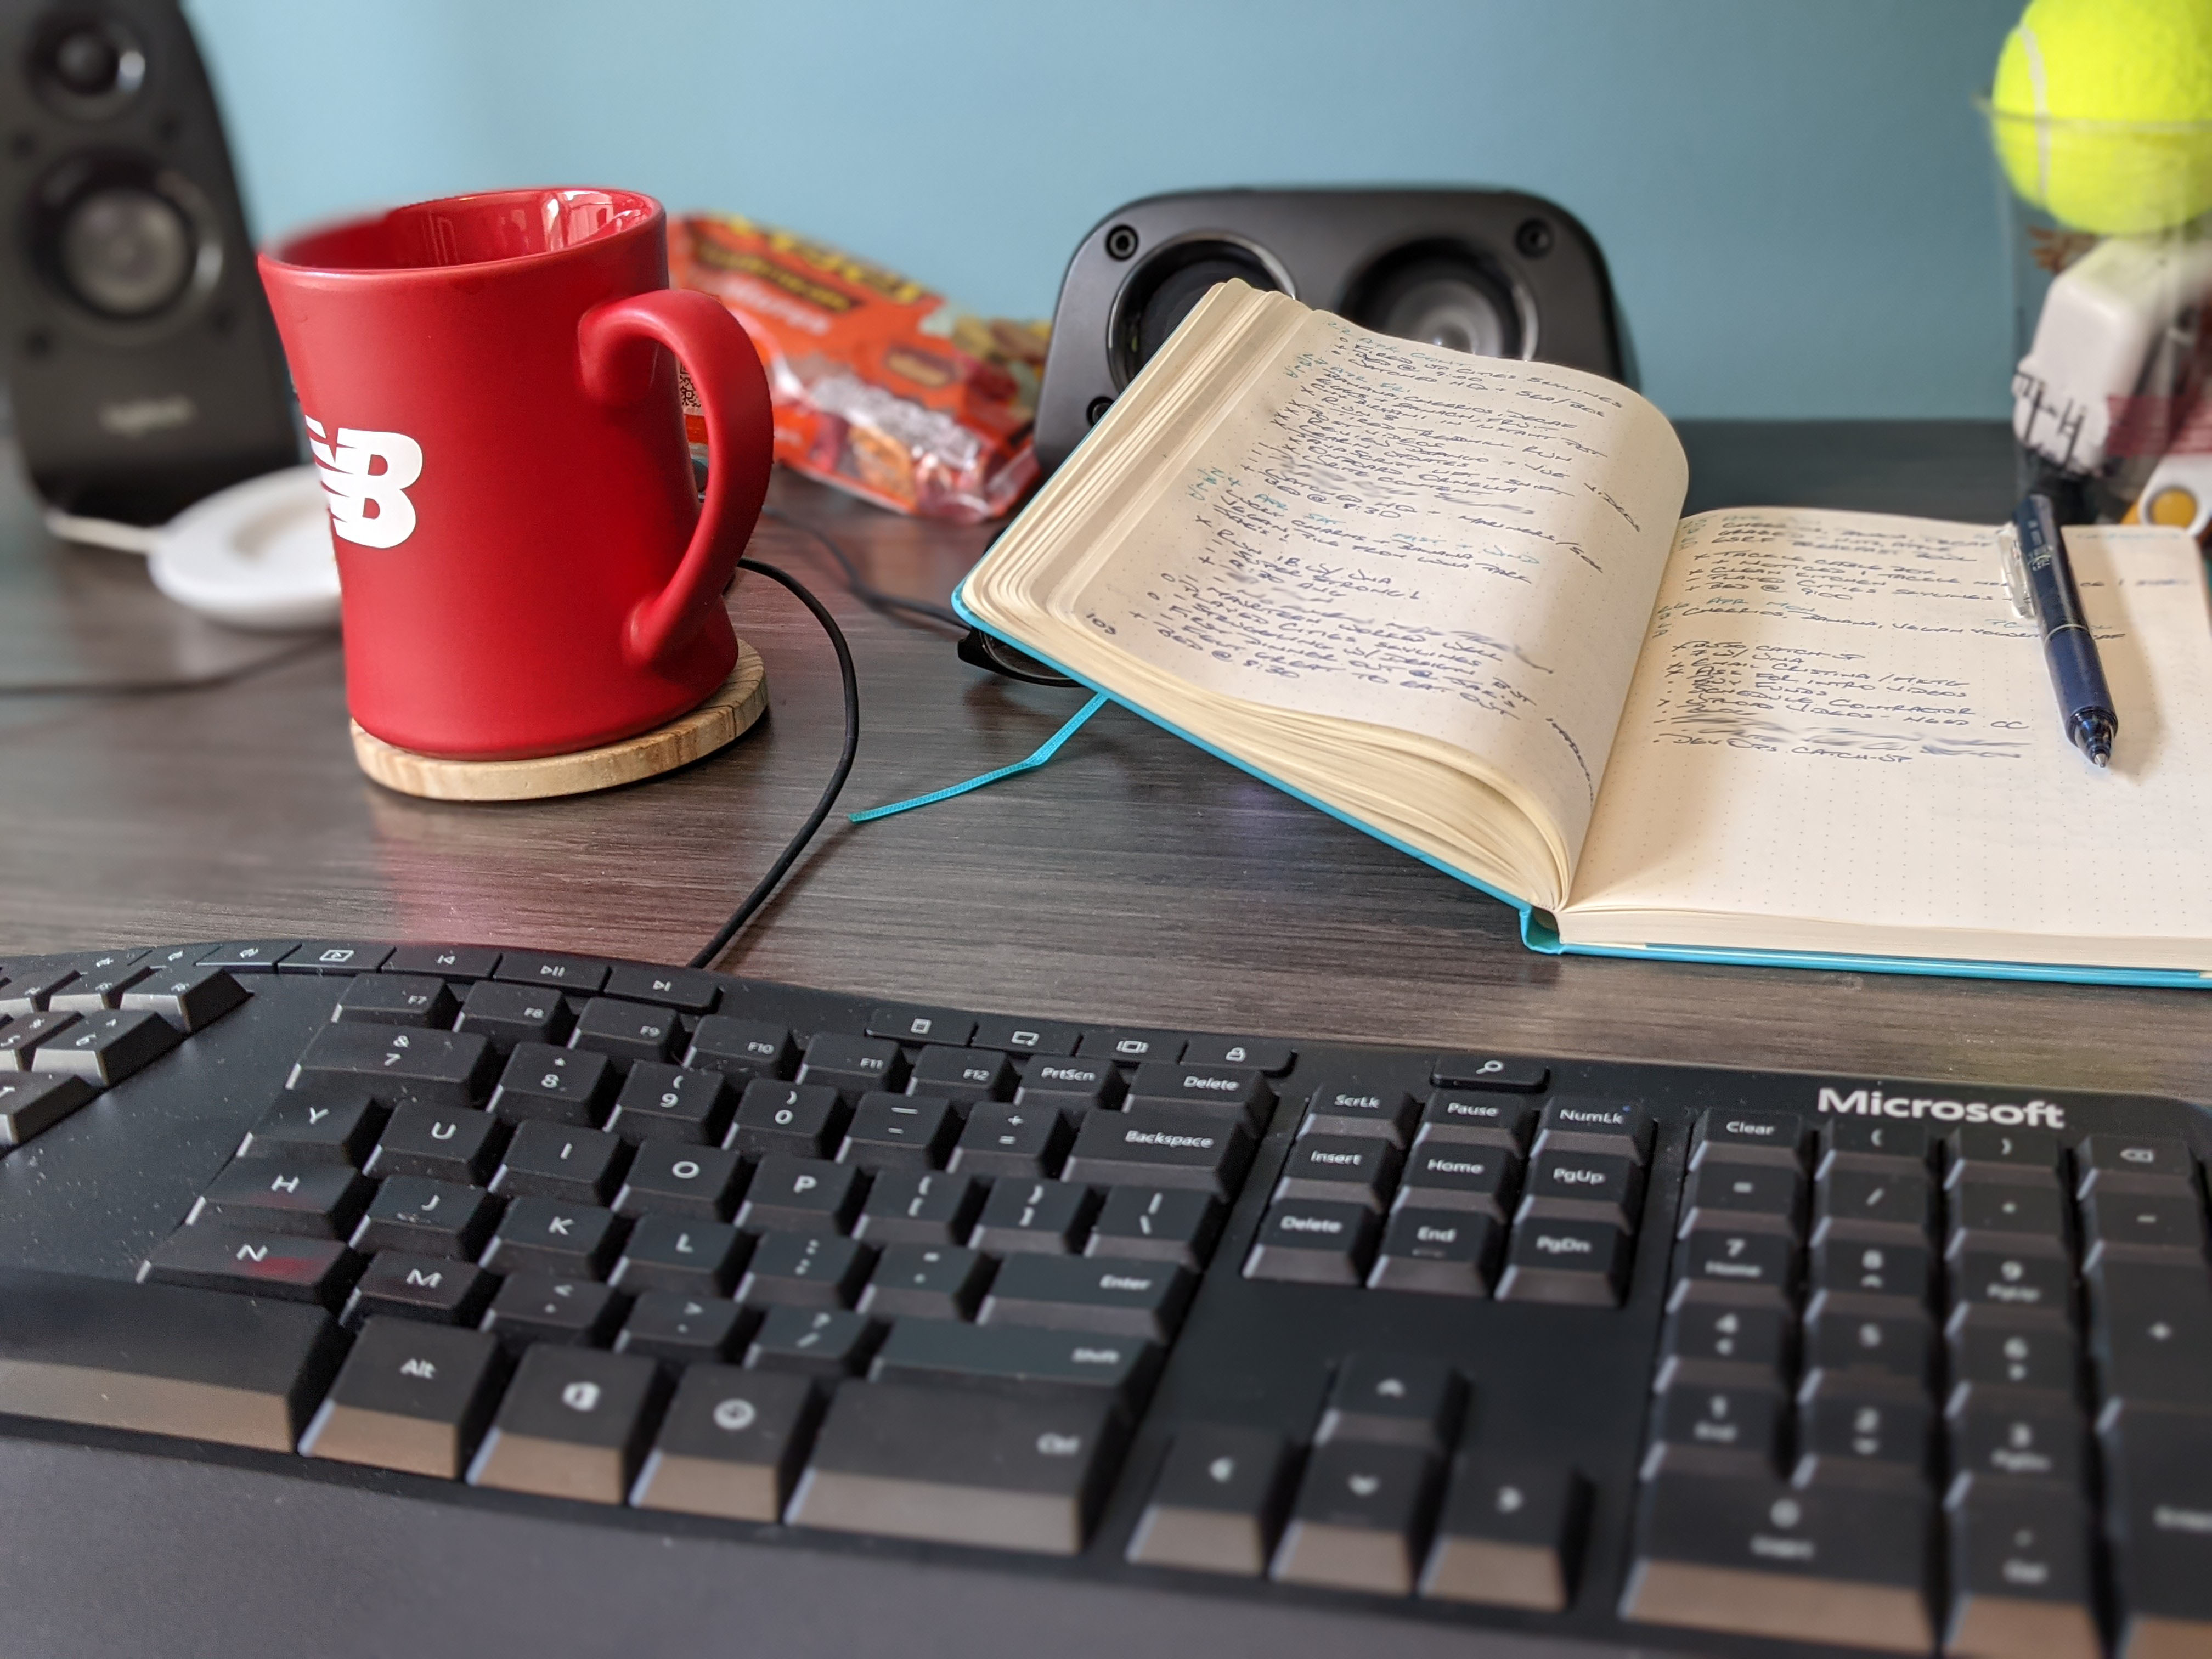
722	719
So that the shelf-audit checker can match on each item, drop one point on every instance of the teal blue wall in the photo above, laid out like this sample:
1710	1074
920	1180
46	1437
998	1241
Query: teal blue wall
1794	194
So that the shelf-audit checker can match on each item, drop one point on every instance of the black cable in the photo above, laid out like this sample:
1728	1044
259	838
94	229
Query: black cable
864	591
796	845
165	687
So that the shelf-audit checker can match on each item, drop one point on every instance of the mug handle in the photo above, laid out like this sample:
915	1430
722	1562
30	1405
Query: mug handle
614	342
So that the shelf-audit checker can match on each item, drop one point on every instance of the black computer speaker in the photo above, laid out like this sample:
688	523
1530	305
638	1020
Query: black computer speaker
144	369
1493	272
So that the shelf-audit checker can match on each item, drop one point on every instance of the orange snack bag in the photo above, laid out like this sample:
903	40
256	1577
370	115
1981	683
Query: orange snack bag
881	387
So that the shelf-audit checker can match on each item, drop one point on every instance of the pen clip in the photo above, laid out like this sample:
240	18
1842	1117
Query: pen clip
2016	572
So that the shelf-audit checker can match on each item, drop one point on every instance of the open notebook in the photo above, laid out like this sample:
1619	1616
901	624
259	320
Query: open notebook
1449	600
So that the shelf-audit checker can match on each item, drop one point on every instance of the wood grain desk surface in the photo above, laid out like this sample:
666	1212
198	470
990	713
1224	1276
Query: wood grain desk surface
1134	880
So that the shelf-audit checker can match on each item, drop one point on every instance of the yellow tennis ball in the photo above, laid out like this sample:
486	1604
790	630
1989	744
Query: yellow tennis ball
2072	66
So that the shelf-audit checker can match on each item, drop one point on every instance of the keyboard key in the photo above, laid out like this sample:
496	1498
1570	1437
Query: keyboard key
1573	1261
685	1330
671	1178
239	1370
1979	1150
899	1131
30	990
1476	1118
1844	1565
398	999
1845	1331
423	1216
2151	1332
1566	1185
1762	1263
2142	1164
1855	1428
98	984
1744	1194
1146	1300
19	1038
954	1466
1717	1428
1047	1216
538	1307
626	1030
1218	1504
1394	1400
1005	1140
2142	1226
426	1068
1488	1072
831	1343
800	1195
313	1200
104	1048
1130	1047
310	1128
1158	1083
730	1445
411	1397
1996	1347
1354	1108
1022	1359
2157	1469
2012	1279
904	1022
1509	1535
1897	1202
2007	1214
331	957
805	1270
918	1207
460	1147
426	1287
1024	1037
686	989
1352	1169
32	1104
2020	1574
1858	1143
853	1065
1269	1056
575	1424
1476	1177
927	1281
250	956
579	977
1712	1335
1153	1224
1438	1252
795	1120
1071	1085
1879	1269
1310	1241
1735	1137
545	1085
740	1048
1584	1123
1160	1146
508	1014
2009	1440
1360	1520
551	1160
663	1103
962	1074
678	1253
190	999
553	1236
280	1265
462	962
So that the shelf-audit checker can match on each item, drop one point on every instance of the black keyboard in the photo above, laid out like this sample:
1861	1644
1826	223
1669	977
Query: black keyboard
1661	1357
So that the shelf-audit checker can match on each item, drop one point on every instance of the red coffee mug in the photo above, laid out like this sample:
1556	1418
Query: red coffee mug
527	567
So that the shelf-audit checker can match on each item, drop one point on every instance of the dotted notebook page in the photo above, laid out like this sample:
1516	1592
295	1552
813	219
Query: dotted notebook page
1838	718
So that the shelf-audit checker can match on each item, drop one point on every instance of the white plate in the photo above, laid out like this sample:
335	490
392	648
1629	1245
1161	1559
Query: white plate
256	554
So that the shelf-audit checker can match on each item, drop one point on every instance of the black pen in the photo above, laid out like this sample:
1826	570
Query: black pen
2043	586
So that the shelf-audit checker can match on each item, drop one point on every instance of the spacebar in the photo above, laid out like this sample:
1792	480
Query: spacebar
162	1359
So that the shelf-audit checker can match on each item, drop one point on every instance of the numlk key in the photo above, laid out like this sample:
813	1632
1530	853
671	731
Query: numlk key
411	1397
730	1445
1218	1504
575	1424
953	1466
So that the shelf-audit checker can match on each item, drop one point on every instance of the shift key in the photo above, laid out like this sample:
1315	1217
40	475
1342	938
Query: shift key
956	1467
1160	1146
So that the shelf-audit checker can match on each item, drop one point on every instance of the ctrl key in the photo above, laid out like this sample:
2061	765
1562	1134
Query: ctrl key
1844	1565
410	1396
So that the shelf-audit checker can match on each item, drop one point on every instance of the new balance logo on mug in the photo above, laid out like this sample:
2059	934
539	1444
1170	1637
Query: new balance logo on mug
367	508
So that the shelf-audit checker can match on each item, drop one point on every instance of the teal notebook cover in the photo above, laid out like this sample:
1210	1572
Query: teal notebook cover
1537	932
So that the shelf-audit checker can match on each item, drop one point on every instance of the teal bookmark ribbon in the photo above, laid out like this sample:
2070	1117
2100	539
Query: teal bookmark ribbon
1052	747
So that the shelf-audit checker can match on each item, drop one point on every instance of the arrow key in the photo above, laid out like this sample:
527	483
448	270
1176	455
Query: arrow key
1217	1503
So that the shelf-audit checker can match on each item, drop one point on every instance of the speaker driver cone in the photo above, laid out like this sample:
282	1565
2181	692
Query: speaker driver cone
1163	291
125	250
1443	296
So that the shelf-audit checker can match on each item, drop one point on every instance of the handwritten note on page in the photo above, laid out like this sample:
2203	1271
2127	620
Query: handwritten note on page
1840	721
